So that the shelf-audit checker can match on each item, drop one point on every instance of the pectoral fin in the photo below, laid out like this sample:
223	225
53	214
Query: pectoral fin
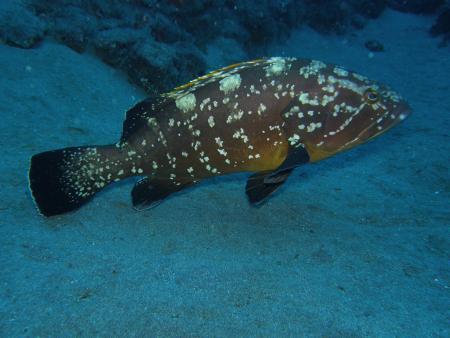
261	185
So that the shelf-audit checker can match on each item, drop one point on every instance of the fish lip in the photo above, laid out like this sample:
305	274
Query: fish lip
401	112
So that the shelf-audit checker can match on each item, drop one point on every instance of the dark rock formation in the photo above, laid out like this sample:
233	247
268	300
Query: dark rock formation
160	44
374	46
369	8
442	25
20	27
417	6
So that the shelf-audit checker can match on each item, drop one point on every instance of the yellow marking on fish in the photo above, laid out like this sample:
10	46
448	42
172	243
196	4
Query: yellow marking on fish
269	159
218	73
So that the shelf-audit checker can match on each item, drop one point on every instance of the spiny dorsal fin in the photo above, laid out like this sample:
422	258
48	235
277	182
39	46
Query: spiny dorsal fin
211	76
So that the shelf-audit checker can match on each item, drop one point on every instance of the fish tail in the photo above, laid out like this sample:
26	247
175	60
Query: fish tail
65	179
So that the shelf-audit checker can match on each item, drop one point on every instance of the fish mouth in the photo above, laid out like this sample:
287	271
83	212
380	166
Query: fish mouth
390	119
400	113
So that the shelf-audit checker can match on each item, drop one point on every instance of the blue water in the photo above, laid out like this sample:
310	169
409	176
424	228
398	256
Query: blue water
354	246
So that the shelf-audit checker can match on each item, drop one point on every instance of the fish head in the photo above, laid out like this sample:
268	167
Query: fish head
356	111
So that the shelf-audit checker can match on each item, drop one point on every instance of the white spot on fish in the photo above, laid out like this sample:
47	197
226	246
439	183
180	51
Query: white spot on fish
313	126
230	83
304	99
312	69
340	72
261	108
292	111
240	134
211	121
276	66
204	102
186	103
219	141
294	139
236	116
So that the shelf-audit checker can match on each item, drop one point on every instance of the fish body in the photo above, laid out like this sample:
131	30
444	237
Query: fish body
265	116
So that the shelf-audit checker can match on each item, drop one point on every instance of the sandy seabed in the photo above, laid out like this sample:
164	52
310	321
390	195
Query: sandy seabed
355	246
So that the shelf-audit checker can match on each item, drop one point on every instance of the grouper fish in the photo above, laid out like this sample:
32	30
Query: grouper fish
265	116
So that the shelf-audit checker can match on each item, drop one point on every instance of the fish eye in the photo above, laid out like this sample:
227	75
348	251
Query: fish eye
372	95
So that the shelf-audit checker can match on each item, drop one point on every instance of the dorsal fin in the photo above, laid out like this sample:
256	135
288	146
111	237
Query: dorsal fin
139	115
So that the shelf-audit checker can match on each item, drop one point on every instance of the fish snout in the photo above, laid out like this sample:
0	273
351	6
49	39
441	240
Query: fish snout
402	111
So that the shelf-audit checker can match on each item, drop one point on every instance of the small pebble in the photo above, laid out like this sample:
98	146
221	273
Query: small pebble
374	46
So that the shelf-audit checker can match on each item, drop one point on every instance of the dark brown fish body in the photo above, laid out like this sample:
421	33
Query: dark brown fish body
265	116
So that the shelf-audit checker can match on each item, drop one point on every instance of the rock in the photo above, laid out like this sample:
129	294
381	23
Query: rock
150	66
442	26
374	46
416	6
115	45
19	27
159	44
223	52
164	30
141	38
369	8
74	28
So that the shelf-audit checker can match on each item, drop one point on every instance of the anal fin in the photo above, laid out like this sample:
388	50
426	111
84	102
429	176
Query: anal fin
148	193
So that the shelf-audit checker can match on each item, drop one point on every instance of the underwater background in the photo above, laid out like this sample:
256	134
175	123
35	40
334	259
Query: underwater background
354	246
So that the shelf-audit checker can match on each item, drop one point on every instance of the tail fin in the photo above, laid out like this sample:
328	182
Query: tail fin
65	179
